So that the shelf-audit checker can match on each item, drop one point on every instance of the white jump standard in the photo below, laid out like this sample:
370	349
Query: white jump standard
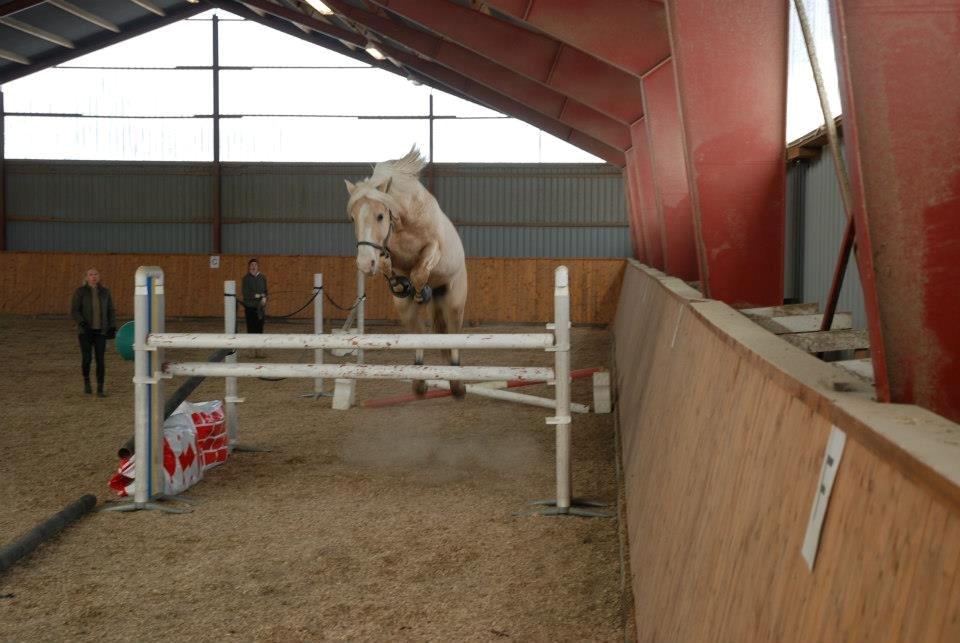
151	342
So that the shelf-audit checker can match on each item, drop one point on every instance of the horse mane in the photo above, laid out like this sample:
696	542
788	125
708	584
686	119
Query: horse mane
407	167
394	183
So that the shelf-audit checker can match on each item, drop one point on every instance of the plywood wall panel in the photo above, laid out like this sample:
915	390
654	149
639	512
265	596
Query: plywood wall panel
723	430
501	290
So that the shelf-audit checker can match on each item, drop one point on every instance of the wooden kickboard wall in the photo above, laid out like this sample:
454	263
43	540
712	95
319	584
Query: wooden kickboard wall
723	429
501	289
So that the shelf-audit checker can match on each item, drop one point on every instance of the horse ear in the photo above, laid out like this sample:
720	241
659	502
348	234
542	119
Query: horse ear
386	186
350	186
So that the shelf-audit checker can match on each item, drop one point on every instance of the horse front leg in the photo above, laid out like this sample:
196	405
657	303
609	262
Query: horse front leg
420	275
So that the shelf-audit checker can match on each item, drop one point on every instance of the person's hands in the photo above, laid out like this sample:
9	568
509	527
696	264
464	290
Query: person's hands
263	300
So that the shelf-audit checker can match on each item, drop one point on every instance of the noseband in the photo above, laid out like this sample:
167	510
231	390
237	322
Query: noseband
384	250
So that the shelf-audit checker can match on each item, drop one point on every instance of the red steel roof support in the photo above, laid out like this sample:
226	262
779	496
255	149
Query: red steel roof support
496	101
641	168
634	208
730	60
901	118
662	117
628	34
500	79
565	69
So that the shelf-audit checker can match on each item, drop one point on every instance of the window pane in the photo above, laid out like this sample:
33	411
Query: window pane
320	139
323	92
187	42
554	150
803	106
100	92
447	105
250	44
32	137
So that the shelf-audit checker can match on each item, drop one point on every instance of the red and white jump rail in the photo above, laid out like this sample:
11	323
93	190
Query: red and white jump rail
152	368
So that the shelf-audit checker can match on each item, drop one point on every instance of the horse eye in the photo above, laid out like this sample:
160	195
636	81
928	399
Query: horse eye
379	217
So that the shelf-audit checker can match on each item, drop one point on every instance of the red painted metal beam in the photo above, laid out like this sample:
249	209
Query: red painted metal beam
628	34
901	119
633	208
538	57
730	60
646	191
500	79
669	172
496	101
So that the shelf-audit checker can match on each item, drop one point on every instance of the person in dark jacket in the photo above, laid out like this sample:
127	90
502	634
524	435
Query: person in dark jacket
254	292
92	310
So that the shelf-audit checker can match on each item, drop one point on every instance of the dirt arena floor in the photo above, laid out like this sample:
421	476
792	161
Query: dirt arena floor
385	524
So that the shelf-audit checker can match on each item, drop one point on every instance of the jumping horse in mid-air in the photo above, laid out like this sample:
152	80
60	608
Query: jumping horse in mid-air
403	234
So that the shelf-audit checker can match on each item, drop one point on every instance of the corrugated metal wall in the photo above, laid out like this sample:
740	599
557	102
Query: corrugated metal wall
517	210
818	220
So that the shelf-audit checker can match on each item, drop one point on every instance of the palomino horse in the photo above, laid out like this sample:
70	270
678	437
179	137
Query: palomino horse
403	233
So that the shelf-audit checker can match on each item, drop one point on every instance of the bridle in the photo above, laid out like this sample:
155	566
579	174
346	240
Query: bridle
384	250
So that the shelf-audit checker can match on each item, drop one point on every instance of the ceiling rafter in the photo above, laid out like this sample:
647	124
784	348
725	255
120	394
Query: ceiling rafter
629	34
500	79
15	6
83	14
97	41
507	105
149	6
14	57
579	75
37	32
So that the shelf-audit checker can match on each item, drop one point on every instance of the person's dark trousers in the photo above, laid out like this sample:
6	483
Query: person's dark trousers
254	320
93	342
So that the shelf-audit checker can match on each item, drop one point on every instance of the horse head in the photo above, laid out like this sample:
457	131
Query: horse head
376	214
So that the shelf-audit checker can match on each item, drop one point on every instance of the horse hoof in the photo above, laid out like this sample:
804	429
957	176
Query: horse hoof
458	389
424	295
419	387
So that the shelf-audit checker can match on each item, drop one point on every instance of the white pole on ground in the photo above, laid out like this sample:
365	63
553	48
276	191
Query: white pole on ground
361	312
230	327
508	396
561	316
318	327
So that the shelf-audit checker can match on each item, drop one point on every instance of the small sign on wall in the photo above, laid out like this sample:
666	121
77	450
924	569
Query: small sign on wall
214	261
828	473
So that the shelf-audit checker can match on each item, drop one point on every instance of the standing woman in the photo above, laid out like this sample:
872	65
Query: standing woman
254	299
92	309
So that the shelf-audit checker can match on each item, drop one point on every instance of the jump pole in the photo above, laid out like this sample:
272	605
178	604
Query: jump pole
560	376
231	398
148	305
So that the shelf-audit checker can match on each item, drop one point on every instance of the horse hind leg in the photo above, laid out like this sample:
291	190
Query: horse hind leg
447	320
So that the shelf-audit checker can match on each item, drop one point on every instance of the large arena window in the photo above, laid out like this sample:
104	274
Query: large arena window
803	106
281	99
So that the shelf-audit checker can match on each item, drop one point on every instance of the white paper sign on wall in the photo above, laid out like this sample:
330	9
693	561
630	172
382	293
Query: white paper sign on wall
828	473
214	261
